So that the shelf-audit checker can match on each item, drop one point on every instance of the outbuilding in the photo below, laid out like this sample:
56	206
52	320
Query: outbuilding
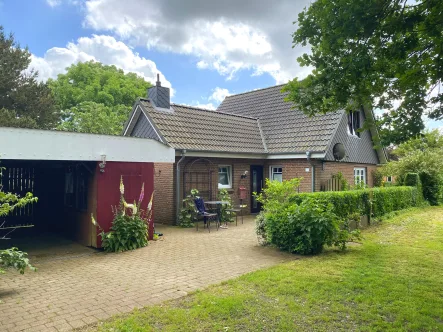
74	176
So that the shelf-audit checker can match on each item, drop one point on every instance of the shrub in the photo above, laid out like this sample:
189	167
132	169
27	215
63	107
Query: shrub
129	228
225	215
344	203
276	195
187	212
412	180
260	229
432	187
127	233
16	259
378	178
387	200
304	229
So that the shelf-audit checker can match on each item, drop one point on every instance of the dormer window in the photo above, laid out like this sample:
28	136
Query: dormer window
354	123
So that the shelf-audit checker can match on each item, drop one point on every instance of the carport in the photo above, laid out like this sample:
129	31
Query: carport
74	175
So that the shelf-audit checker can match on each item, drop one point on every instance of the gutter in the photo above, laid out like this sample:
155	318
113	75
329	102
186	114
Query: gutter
177	187
308	157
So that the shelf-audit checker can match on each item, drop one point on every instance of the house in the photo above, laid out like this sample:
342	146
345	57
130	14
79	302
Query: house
74	175
250	137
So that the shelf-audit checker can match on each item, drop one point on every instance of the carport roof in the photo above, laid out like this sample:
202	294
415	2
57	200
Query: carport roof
33	144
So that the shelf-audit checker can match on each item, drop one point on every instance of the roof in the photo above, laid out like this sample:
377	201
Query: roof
36	144
191	128
285	130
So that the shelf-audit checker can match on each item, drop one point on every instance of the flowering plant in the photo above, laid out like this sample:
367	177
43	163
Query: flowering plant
129	228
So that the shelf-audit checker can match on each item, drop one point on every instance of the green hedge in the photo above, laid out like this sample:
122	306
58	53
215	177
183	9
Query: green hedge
374	201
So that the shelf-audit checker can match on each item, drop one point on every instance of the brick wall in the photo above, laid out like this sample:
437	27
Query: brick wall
164	212
165	188
325	172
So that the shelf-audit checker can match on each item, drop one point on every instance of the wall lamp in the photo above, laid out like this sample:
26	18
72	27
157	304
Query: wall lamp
244	175
102	164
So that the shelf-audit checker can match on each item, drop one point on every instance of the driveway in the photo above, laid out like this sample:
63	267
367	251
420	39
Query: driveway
76	286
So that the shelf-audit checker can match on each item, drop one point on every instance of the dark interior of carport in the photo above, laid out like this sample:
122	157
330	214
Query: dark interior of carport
65	191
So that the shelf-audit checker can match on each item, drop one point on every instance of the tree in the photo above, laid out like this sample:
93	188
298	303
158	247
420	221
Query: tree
90	117
13	257
92	92
373	52
24	102
421	155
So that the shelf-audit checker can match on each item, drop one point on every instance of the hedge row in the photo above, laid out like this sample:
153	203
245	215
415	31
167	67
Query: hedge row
374	201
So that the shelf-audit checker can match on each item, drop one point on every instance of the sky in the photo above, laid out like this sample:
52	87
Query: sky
203	50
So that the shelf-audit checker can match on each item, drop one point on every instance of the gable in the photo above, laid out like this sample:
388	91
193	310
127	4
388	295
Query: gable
358	149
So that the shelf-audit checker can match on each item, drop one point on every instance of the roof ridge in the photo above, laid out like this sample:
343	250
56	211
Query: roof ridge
214	111
243	93
207	110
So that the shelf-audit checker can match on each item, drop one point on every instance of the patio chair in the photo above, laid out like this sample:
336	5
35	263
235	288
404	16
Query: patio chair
202	214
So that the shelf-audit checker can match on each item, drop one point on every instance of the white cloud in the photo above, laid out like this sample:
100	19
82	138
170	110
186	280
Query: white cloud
53	3
105	49
226	36
219	94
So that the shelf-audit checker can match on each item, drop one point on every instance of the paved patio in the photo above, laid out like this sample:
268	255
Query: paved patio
76	286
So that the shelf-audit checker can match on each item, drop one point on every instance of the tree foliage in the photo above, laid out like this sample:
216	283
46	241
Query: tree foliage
421	155
13	257
90	117
373	52
92	92
24	102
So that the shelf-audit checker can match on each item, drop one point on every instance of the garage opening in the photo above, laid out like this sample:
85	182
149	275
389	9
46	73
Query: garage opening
65	191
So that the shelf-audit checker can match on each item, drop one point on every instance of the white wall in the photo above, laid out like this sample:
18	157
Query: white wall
31	144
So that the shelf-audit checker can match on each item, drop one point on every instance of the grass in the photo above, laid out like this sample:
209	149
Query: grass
393	281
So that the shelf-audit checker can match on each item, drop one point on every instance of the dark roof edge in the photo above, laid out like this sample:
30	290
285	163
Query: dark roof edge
152	123
206	110
246	92
335	130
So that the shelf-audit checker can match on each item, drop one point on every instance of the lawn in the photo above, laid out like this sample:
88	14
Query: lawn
392	281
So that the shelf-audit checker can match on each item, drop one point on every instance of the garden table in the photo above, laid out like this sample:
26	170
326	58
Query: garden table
218	205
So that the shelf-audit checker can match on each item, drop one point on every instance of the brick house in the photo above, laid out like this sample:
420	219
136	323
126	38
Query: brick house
250	137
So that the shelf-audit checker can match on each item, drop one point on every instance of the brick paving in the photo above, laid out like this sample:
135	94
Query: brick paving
76	286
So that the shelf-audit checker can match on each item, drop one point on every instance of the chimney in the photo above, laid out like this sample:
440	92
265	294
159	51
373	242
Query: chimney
159	95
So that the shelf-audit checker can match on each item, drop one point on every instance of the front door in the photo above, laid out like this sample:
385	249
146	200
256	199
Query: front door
256	186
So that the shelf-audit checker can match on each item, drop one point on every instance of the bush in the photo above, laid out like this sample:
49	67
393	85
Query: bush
412	180
387	200
127	233
260	229
225	215
305	228
432	188
187	212
378	178
15	259
129	228
344	203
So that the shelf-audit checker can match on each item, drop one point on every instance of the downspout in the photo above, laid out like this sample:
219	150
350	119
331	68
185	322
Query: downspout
177	187
308	156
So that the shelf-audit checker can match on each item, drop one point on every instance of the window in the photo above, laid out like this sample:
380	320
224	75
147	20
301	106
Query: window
276	173
389	178
354	123
360	175
224	176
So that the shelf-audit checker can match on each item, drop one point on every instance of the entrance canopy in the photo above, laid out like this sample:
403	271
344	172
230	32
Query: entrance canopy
33	144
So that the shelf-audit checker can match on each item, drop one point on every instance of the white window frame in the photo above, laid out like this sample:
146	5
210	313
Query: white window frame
229	185
271	172
362	171
353	131
389	178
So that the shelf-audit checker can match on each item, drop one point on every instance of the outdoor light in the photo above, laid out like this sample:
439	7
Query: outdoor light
102	164
244	175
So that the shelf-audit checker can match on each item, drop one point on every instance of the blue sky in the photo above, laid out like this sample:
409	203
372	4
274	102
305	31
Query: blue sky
203	50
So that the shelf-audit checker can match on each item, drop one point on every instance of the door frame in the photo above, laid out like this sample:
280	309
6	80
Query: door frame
261	178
